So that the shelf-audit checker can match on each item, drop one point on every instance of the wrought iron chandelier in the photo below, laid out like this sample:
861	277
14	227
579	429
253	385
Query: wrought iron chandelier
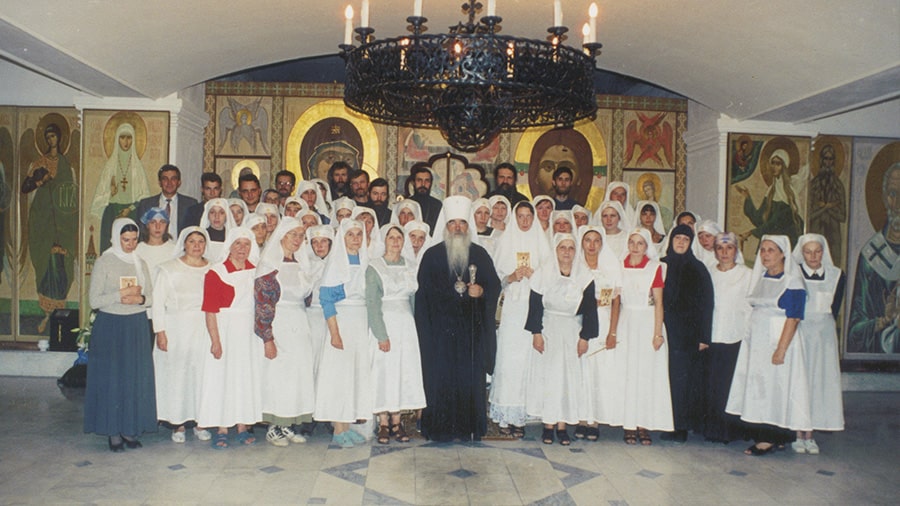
472	82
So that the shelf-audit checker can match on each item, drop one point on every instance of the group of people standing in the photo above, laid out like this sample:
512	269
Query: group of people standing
277	317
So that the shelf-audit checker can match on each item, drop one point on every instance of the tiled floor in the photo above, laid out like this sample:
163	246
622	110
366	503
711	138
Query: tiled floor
46	459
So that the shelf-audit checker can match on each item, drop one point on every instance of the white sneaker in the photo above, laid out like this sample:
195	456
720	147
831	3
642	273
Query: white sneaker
276	437
811	447
202	434
178	437
292	436
799	446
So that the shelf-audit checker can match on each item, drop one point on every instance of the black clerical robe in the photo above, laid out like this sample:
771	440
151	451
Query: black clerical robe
457	340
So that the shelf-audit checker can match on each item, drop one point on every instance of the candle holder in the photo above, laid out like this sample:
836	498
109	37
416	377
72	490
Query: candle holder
363	34
417	24
557	32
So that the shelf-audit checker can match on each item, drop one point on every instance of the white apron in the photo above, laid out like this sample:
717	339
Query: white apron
820	346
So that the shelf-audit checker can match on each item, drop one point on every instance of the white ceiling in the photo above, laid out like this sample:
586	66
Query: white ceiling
782	60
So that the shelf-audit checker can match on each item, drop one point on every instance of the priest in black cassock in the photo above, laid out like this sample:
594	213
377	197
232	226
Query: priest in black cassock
455	322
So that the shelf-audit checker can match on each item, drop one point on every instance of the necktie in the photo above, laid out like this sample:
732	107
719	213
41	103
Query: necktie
169	209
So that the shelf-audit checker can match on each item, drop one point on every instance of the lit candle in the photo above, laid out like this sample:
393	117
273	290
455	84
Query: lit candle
592	11
557	12
417	8
586	32
348	26
364	14
492	8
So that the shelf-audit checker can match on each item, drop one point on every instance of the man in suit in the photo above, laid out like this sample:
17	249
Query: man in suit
169	199
210	188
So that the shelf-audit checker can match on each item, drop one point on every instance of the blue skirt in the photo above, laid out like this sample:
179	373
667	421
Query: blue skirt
120	397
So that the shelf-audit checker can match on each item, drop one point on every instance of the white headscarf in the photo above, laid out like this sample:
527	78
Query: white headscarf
382	234
708	257
657	223
319	231
337	205
514	240
565	215
606	258
309	212
652	253
272	254
243	206
297	200
266	209
579	209
252	220
791	269
304	186
827	262
376	243
138	187
116	248
500	198
550	275
322	184
476	204
538	199
628	210
223	204
337	269
410	204
408	252
182	238
617	207
233	235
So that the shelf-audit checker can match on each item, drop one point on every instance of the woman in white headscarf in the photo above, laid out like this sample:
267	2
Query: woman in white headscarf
312	195
825	288
480	223
769	390
704	246
122	183
562	319
309	219
344	392
281	287
342	208
294	205
611	216
405	211
272	216
621	193
217	220
581	216
418	240
319	242
256	223
522	249
544	206
181	337
731	323
648	400
238	210
121	371
397	367
325	191
374	241
500	212
604	363
648	217
563	222
230	389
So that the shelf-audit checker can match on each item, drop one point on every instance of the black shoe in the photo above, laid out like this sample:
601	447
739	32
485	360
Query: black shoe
677	436
132	442
116	447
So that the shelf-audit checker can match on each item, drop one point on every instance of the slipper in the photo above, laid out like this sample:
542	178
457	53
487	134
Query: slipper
219	441
592	433
644	437
563	436
630	437
580	432
246	438
517	431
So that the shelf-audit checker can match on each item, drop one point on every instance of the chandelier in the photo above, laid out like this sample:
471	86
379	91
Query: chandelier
471	83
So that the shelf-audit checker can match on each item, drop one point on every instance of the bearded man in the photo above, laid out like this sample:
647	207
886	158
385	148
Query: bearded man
505	178
455	307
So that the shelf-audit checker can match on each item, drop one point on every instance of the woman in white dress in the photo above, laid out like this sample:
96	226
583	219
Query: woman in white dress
523	248
611	216
769	390
238	210
604	363
647	217
562	319
181	338
480	223
217	220
281	287
500	212
405	211
374	242
581	216
825	287
544	206
648	401
344	389
731	323
257	225
397	367
230	389
271	214
294	205
563	222
342	209
621	193
319	241
704	247
417	241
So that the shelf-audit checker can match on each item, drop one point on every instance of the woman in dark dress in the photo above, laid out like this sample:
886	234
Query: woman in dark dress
120	401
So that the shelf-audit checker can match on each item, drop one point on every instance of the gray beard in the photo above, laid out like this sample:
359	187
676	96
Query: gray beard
457	251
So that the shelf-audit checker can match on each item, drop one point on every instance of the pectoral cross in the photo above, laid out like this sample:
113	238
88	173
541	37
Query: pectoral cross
124	182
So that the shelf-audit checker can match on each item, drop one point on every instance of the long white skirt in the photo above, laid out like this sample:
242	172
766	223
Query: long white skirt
603	371
288	388
514	349
398	373
345	391
179	371
648	400
555	390
230	390
826	403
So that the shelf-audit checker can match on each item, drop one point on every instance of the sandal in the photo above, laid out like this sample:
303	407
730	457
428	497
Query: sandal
563	436
580	432
547	436
219	441
517	431
246	438
384	435
756	451
506	431
592	433
399	433
630	437
644	437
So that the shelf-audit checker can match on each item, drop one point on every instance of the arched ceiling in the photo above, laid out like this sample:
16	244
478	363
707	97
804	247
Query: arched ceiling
752	59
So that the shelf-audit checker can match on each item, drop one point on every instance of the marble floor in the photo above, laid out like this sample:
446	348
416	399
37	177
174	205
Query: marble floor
46	459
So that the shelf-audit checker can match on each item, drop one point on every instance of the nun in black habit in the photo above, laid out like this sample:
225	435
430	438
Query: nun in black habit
688	311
